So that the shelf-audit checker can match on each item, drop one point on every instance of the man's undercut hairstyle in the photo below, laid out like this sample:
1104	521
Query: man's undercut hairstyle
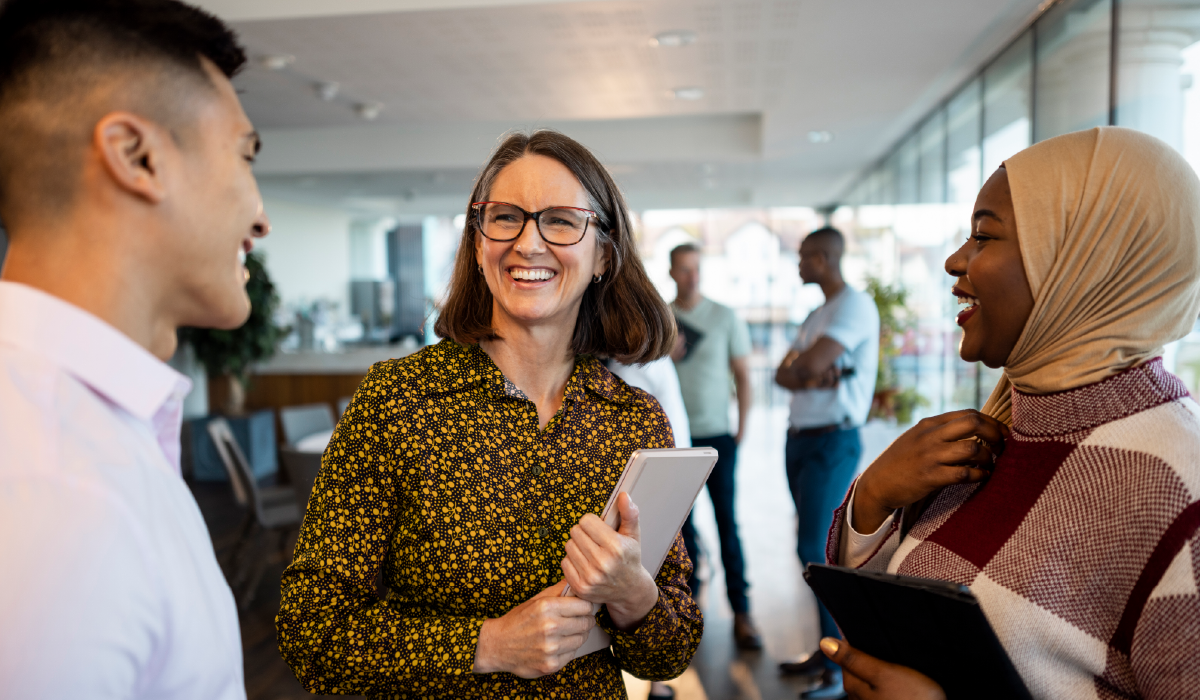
64	64
622	316
681	249
830	240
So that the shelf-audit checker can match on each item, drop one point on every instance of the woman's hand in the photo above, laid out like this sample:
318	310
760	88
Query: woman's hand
604	566
937	452
536	638
865	677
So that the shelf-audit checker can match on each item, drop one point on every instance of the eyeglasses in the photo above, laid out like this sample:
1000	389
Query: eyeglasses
500	221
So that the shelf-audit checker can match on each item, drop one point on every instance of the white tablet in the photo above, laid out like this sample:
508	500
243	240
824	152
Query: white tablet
664	485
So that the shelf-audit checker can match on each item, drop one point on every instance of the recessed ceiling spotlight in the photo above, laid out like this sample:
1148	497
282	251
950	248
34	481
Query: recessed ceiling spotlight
327	91
673	39
276	61
820	137
369	110
686	93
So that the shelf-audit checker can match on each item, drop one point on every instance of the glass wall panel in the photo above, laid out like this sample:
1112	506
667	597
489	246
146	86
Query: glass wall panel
1073	67
963	129
1157	65
1007	96
907	172
932	143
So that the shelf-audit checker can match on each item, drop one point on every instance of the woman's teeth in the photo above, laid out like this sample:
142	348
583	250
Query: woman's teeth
530	275
968	301
242	256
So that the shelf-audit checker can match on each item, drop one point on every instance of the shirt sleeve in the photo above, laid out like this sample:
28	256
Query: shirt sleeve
854	321
739	336
81	602
670	397
846	547
662	646
857	548
334	631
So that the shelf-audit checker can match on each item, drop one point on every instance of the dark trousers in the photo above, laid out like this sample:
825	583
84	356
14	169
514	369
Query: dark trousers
819	471
721	490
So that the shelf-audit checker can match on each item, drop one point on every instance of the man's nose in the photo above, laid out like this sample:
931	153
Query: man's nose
262	224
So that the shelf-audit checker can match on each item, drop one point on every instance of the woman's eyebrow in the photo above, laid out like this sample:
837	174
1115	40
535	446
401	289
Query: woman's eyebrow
980	213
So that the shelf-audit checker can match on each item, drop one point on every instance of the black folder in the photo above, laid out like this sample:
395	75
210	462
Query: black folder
935	627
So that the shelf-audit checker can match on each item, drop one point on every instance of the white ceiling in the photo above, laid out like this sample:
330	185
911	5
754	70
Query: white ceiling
454	75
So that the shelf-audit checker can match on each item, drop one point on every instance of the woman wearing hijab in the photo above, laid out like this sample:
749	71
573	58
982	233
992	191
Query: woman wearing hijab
468	476
1080	540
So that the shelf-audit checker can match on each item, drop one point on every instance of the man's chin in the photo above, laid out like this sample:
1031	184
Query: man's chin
232	317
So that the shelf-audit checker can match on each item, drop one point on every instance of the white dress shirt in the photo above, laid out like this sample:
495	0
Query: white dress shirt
659	379
108	583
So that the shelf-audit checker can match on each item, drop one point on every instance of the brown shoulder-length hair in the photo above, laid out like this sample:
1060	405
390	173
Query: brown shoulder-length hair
622	316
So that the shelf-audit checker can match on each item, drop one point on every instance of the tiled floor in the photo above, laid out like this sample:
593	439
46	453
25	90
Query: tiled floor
782	604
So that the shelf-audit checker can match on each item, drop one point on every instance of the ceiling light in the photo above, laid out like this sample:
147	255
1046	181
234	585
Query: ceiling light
276	61
327	91
686	93
673	39
820	137
369	110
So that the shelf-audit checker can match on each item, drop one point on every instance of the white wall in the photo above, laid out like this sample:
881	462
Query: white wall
308	252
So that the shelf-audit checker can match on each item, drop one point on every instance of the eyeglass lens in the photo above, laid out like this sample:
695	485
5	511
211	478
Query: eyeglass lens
562	225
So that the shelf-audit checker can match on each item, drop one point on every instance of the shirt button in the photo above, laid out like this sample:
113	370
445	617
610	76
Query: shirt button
542	532
537	470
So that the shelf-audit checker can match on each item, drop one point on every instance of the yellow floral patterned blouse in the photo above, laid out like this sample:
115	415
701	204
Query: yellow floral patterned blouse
438	475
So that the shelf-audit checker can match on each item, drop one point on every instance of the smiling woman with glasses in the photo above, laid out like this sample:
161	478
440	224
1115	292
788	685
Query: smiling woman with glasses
469	475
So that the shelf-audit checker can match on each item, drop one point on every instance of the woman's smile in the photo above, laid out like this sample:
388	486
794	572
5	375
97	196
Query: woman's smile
531	277
967	300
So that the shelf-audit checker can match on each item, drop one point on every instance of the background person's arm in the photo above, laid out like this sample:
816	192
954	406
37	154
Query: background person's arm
741	385
804	370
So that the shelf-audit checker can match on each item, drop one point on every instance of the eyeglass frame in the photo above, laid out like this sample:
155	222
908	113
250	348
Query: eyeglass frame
537	224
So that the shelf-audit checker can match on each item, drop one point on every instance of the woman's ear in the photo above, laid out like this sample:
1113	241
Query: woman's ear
603	259
133	153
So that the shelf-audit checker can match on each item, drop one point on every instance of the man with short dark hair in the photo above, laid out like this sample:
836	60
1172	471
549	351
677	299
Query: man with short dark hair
711	359
127	194
831	371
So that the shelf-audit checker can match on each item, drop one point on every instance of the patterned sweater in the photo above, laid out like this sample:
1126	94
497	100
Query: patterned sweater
438	479
1082	548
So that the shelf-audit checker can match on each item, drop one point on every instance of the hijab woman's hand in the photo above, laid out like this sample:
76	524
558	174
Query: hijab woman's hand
604	566
865	677
953	448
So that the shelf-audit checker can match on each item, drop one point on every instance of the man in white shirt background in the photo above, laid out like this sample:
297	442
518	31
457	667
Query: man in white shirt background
831	371
127	194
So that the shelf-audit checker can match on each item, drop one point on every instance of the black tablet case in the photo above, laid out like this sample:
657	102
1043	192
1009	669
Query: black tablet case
935	627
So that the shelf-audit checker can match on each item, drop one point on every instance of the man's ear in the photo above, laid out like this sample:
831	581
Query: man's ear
132	151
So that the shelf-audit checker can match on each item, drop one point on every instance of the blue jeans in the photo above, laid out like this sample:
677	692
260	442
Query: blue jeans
721	491
819	471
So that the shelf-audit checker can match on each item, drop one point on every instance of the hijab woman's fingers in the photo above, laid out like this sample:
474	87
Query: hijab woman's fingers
971	452
973	424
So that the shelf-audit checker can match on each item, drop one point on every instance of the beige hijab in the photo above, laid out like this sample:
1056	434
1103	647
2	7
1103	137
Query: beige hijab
1109	226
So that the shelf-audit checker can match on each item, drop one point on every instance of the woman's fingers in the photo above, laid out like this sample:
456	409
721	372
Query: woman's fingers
972	423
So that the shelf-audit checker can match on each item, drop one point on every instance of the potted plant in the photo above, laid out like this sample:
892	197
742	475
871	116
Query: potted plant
228	356
890	400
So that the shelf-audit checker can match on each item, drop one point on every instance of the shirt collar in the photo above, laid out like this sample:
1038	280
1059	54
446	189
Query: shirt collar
89	349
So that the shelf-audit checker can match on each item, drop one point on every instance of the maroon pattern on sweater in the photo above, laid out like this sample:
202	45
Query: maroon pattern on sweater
1082	547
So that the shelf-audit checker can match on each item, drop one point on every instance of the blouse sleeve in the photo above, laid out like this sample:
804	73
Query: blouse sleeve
662	646
334	631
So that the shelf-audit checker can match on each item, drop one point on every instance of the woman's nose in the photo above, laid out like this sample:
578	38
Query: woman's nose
530	241
956	264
